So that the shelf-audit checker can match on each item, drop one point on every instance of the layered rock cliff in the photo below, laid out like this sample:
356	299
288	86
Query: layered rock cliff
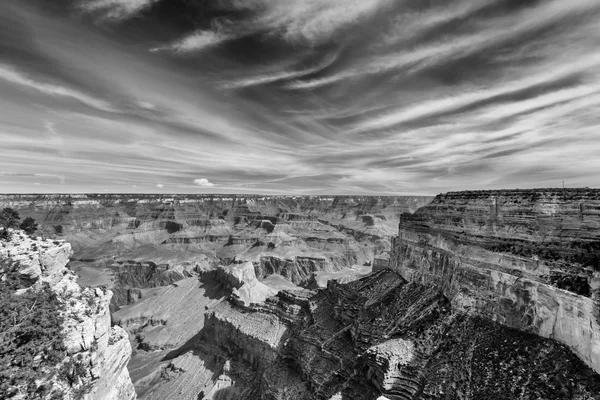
527	259
377	336
95	354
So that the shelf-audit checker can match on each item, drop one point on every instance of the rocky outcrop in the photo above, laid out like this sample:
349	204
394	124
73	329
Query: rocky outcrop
381	262
381	336
246	289
101	352
528	259
115	382
254	337
385	363
297	269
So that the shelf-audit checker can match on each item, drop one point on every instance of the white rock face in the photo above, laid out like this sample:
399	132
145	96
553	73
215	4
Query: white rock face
246	288
386	362
87	326
114	382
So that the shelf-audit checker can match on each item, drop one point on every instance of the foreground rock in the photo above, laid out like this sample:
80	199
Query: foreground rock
101	352
528	259
383	336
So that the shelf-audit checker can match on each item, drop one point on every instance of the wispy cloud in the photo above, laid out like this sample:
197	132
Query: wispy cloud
196	41
117	9
478	95
60	178
276	76
13	76
312	96
495	32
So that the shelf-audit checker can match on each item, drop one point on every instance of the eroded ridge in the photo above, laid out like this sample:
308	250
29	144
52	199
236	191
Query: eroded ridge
384	336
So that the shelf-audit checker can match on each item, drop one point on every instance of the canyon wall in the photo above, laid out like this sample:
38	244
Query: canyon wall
379	337
84	212
96	353
528	259
439	325
131	242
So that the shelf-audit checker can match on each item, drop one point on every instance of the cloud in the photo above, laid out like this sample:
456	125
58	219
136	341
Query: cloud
476	96
160	185
60	178
275	76
336	96
427	54
203	182
117	9
12	75
146	105
308	22
196	41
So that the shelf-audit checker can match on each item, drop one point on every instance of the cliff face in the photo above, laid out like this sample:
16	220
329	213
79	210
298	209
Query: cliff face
99	352
383	336
528	259
217	213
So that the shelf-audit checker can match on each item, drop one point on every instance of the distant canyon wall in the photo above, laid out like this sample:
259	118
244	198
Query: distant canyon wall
294	236
528	259
77	212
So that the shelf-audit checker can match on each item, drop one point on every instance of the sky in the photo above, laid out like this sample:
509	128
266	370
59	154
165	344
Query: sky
298	96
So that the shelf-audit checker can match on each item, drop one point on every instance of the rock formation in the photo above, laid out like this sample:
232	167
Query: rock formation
382	336
133	242
441	323
246	289
528	259
483	295
101	351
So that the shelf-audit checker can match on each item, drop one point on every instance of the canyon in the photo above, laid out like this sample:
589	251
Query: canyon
150	240
467	295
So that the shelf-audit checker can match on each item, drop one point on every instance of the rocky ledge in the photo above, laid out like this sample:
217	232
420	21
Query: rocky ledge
528	259
96	353
383	337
